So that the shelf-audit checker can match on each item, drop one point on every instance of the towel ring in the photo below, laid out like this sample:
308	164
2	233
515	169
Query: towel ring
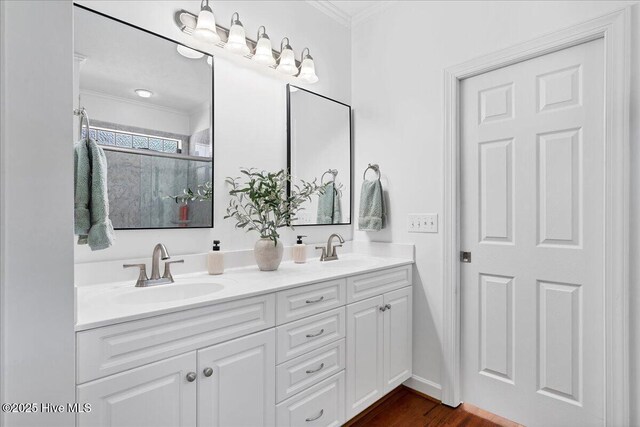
84	120
332	172
374	167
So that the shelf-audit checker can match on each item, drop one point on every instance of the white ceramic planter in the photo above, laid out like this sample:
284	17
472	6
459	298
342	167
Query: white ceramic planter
268	256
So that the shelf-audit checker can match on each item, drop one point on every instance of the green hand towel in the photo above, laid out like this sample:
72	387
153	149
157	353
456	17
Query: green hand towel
326	205
92	223
337	207
372	212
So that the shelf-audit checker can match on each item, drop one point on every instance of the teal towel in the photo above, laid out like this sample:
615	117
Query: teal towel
372	212
91	205
325	205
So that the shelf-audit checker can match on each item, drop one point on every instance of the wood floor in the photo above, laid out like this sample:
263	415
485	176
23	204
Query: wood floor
405	407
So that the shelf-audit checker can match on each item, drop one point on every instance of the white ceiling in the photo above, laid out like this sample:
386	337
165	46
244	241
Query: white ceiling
351	7
120	59
348	12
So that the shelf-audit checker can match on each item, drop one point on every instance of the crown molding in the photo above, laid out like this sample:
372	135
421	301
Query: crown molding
368	12
332	11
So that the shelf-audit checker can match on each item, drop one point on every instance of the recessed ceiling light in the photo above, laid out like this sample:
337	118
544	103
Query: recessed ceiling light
189	53
144	93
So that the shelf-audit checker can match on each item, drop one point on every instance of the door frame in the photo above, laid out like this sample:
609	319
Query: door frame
613	28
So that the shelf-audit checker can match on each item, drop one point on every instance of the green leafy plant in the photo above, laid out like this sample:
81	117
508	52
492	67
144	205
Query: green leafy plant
260	202
203	192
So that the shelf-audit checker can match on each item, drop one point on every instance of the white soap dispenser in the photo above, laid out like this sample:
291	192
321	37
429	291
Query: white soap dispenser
300	251
215	259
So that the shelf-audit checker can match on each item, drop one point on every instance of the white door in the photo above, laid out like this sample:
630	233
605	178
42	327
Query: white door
365	343
397	337
155	395
240	389
532	186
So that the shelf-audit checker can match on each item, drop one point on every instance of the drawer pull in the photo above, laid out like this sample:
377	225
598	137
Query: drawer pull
313	301
316	417
313	371
316	335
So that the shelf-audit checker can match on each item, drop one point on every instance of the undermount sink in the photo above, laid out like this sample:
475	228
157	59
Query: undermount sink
168	293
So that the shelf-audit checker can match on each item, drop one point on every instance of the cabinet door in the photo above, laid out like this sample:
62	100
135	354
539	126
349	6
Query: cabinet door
365	382
397	337
154	395
241	389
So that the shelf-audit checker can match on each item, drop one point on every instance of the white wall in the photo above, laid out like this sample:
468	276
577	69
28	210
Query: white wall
132	113
37	304
398	57
249	109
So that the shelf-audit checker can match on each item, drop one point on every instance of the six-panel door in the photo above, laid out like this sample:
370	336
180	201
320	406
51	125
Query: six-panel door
155	395
236	382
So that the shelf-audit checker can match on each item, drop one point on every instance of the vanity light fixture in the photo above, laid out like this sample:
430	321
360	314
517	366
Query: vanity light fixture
144	93
234	39
287	59
206	25
264	52
237	40
307	67
188	52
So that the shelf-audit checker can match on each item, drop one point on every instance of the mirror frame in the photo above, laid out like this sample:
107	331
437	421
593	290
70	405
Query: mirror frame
213	146
351	210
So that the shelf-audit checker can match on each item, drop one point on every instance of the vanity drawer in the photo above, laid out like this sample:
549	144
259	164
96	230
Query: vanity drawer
377	283
302	372
322	405
111	349
313	332
296	303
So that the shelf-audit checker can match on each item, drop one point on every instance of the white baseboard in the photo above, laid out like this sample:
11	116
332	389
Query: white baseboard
424	386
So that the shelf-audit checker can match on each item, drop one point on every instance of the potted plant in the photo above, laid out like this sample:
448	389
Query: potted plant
259	202
203	192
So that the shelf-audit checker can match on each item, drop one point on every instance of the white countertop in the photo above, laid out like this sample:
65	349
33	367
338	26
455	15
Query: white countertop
107	304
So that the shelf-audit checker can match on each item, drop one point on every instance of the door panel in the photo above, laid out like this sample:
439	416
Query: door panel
241	390
154	395
532	215
365	380
397	337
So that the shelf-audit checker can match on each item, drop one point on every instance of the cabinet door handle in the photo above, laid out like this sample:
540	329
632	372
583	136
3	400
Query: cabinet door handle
316	334
313	301
383	308
207	372
191	377
313	371
316	417
388	306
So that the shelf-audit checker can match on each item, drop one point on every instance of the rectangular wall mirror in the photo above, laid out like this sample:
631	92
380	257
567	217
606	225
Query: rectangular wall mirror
319	147
150	104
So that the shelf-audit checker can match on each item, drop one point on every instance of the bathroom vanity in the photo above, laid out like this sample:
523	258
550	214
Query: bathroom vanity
307	345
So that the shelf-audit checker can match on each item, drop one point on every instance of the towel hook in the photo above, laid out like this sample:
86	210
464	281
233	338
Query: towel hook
374	167
332	172
84	119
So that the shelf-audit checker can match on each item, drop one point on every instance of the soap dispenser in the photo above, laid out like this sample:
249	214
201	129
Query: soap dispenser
300	251
215	259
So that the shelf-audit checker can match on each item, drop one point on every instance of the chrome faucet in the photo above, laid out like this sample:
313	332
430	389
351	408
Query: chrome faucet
159	252
329	252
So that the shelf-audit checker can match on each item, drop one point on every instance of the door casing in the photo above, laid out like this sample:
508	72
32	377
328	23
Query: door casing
614	29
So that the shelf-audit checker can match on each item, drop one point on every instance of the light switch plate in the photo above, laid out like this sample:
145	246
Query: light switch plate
422	223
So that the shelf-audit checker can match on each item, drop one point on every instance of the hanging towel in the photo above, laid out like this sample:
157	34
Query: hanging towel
337	206
91	207
372	214
326	203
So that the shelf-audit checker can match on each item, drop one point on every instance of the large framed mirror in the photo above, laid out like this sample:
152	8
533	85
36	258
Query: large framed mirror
319	148
150	104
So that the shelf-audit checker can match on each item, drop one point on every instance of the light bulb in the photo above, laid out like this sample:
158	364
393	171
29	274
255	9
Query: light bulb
308	69
237	41
264	52
287	60
206	26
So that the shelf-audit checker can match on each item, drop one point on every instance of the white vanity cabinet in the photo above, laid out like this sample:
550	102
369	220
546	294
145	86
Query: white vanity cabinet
312	355
378	347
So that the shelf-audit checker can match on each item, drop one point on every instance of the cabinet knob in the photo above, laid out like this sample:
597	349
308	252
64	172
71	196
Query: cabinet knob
207	372
383	308
388	306
191	377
